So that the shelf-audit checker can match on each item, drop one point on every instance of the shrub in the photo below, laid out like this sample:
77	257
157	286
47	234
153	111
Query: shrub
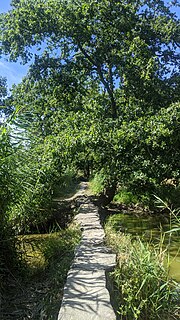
125	196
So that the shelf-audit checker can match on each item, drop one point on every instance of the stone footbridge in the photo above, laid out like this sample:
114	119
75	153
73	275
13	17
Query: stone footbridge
86	296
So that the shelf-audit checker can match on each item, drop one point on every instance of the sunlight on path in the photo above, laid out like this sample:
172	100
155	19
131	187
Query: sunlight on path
85	294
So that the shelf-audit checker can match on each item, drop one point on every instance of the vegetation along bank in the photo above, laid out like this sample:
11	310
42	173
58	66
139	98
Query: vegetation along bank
100	100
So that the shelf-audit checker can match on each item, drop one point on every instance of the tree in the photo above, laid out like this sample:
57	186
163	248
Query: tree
130	42
108	67
6	107
3	93
3	88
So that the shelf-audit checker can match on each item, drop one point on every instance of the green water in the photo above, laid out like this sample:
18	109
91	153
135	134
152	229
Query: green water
151	229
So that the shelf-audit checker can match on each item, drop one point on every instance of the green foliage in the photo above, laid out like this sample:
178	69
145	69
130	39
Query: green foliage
126	197
173	214
127	131
5	101
8	256
139	153
38	170
60	246
38	293
97	183
142	289
58	252
67	183
170	193
102	98
7	167
3	88
133	42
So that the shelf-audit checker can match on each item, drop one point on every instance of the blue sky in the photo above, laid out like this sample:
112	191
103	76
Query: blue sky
14	72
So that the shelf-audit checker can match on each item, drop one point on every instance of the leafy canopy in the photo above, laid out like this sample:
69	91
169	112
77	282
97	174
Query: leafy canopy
130	44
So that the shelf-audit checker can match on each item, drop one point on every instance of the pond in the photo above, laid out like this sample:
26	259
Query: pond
152	229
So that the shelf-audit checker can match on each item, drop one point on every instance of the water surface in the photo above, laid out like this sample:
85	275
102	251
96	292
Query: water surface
153	229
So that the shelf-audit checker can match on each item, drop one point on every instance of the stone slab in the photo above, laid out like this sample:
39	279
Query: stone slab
85	294
94	258
86	297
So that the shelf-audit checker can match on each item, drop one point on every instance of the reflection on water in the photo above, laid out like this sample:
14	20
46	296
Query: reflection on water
151	229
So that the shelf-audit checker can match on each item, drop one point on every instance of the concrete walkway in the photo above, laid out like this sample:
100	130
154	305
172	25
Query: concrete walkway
85	294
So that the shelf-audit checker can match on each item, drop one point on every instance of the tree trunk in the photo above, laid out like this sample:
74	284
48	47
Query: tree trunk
107	196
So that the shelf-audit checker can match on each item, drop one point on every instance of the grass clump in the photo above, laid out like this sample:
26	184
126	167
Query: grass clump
141	285
38	293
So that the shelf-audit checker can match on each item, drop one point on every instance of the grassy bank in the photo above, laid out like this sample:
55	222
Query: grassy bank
141	285
37	292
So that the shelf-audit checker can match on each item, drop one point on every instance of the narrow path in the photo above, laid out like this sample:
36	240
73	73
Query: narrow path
85	294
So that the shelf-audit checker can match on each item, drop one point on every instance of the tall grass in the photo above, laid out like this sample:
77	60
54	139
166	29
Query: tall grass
141	284
37	294
174	214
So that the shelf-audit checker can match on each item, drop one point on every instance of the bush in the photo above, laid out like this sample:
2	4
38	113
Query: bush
125	196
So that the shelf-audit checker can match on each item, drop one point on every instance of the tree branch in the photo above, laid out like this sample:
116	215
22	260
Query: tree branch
108	85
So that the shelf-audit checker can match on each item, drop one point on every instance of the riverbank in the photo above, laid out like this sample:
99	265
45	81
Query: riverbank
141	285
151	228
37	291
34	290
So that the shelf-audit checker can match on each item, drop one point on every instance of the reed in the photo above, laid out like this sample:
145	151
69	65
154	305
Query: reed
141	284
